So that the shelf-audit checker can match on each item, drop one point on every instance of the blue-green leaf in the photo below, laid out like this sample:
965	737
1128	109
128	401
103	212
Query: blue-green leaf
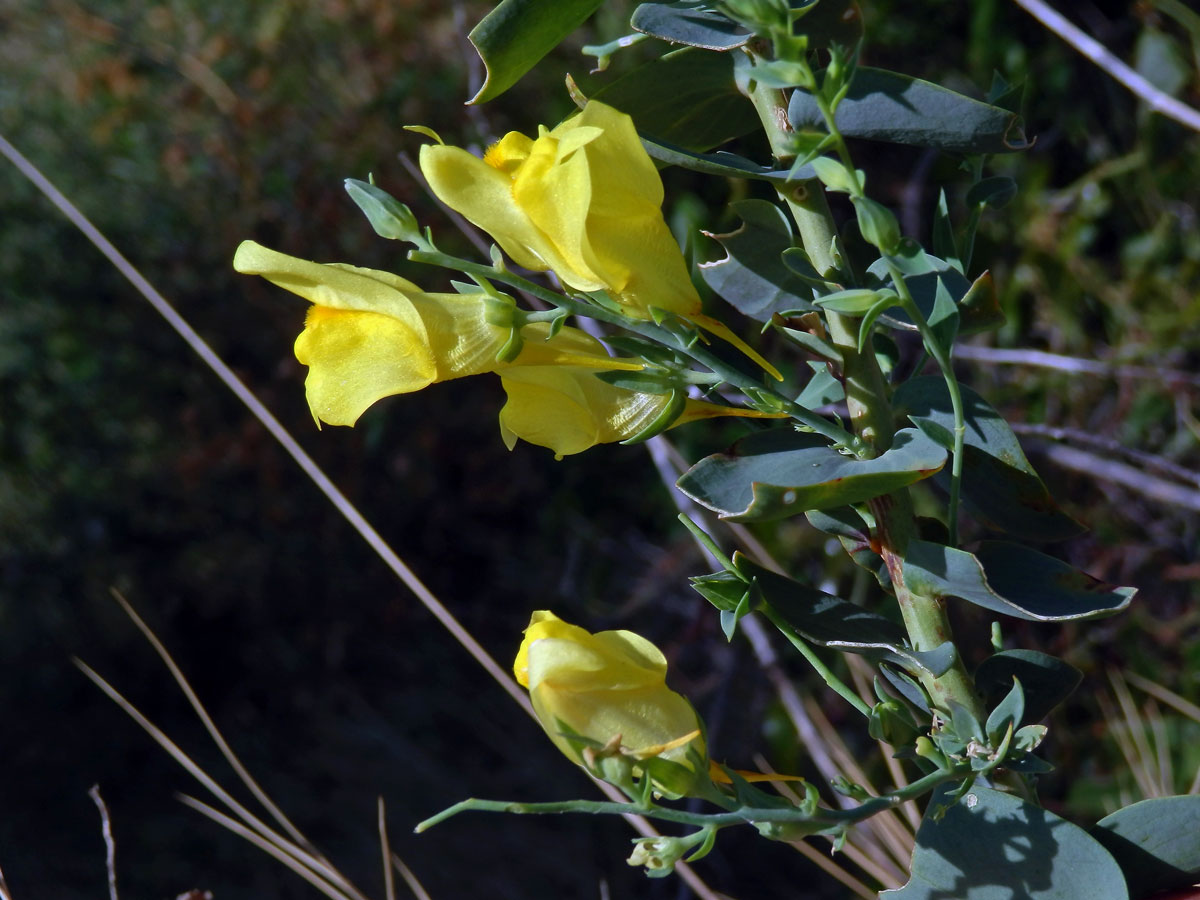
999	485
925	276
888	106
1011	579
782	472
1007	714
516	34
687	98
822	389
827	620
1046	680
752	277
722	162
688	22
994	846
1156	843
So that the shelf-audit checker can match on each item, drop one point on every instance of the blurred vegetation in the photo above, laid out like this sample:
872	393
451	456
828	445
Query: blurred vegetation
183	127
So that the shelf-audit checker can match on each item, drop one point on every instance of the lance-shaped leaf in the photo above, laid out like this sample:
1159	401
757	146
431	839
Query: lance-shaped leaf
782	472
888	106
1046	680
516	34
687	98
999	485
752	276
1155	842
827	620
689	22
848	527
926	276
723	163
1011	579
994	846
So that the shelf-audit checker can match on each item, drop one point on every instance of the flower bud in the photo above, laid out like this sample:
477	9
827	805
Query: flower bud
589	689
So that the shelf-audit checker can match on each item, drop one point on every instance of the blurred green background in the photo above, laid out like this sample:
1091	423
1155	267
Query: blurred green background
182	128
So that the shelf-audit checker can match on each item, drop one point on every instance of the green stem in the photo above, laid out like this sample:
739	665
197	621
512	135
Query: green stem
895	524
743	815
816	662
942	357
648	329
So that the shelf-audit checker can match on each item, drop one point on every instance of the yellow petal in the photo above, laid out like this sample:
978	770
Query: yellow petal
604	685
569	409
721	330
331	284
357	357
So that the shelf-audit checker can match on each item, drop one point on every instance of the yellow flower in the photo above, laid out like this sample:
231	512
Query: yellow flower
569	409
605	686
583	200
372	334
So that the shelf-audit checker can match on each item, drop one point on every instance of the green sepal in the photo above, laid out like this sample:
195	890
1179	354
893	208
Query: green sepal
877	223
388	216
641	382
664	420
724	590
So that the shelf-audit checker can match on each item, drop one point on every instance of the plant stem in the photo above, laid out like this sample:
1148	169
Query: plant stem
941	356
871	415
827	675
648	329
742	815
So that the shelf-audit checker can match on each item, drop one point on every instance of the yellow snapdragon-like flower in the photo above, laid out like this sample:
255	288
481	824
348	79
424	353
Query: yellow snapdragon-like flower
608	685
584	200
371	334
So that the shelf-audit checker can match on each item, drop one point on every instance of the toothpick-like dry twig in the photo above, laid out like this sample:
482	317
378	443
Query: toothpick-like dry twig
389	887
418	889
1157	100
110	845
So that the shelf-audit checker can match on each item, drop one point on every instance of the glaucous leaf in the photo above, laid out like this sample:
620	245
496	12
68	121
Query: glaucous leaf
999	485
689	22
889	106
994	846
752	277
517	33
1156	843
687	98
832	622
783	472
1046	680
1011	579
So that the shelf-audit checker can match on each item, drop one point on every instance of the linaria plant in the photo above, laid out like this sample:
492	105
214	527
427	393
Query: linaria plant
588	314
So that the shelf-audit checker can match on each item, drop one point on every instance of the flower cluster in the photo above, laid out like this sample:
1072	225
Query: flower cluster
582	200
